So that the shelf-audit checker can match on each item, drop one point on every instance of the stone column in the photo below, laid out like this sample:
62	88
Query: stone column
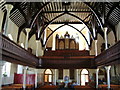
55	77
8	8
1	67
36	78
105	36
97	71
77	76
44	37
37	43
24	77
96	53
108	75
26	42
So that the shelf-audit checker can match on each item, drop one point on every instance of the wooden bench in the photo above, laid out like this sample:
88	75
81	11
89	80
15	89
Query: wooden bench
17	86
48	87
84	88
113	87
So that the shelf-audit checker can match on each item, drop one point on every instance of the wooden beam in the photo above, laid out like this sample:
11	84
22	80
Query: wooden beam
64	11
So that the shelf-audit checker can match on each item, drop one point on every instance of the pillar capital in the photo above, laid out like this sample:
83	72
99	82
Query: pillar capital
105	29
9	7
97	69
25	67
27	30
96	41
107	67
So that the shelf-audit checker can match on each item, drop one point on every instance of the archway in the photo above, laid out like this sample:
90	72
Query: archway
84	77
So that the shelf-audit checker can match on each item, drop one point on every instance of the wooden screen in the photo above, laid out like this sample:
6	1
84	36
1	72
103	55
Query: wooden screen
71	73
60	75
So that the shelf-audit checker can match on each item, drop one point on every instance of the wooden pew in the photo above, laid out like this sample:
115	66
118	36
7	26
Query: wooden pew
17	87
113	87
48	87
84	88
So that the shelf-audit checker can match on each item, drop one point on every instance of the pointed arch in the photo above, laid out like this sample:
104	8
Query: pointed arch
96	14
71	27
62	15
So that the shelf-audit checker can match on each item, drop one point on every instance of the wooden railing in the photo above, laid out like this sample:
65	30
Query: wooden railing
68	62
68	59
67	53
109	56
12	52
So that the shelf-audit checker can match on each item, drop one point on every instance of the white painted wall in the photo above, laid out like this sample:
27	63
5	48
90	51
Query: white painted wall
117	27
10	80
13	30
99	43
22	38
1	19
111	38
32	44
49	43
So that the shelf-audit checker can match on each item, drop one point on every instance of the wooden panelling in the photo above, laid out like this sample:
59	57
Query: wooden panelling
67	59
14	53
60	73
66	43
67	63
67	53
72	71
109	56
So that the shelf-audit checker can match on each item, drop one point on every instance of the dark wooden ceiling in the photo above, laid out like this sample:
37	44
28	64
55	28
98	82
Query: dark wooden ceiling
38	15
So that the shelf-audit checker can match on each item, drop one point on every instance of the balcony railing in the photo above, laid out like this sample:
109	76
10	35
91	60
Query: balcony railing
67	59
109	56
12	52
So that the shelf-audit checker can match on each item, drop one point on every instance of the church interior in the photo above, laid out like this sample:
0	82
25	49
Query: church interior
59	45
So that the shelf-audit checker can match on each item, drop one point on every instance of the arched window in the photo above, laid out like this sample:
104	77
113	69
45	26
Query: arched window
19	69
6	69
48	76
84	77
